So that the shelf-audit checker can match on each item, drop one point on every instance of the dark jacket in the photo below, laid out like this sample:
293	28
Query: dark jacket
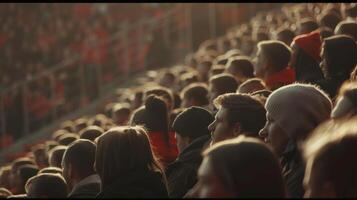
293	170
89	190
182	174
307	69
331	86
136	185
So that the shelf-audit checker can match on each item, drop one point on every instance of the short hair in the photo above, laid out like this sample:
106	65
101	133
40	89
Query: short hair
26	172
19	162
332	148
163	92
276	52
52	170
46	185
286	35
91	132
58	133
81	155
248	111
68	126
196	91
220	60
309	25
347	28
216	69
80	124
247	167
224	83
330	20
55	155
67	138
4	193
251	85
241	65
326	32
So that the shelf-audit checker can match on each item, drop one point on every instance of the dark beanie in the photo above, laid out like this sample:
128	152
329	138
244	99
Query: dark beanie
193	122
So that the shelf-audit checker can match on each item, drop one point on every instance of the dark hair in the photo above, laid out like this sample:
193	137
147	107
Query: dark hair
224	83
325	32
330	20
248	111
153	116
286	35
340	55
216	69
67	138
193	122
26	172
47	185
123	150
276	52
91	132
251	85
247	167
220	60
307	25
197	91
55	155
347	28
81	155
163	92
241	65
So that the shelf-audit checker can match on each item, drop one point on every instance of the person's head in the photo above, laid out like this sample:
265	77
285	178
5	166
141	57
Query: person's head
306	26
221	84
285	35
13	177
194	94
121	114
51	170
55	155
262	95
58	133
347	28
122	150
163	92
5	176
4	193
216	69
80	124
238	114
329	19
46	186
220	60
67	138
24	173
68	126
40	155
241	67
50	144
203	69
272	56
167	79
338	56
325	32
191	124
239	168
293	111
78	161
153	116
346	105
251	85
330	160
90	133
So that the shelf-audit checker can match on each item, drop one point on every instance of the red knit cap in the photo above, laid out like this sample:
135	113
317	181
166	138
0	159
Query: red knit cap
310	43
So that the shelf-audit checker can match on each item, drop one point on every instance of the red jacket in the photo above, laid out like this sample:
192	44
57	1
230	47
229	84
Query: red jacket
281	78
165	153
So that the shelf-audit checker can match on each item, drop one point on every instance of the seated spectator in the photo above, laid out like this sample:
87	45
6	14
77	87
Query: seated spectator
285	35
221	84
91	133
330	161
68	126
238	114
46	186
195	94
272	62
24	173
51	170
13	173
55	156
78	170
121	114
67	138
338	61
191	128
5	176
154	117
50	144
325	32
40	155
163	92
233	53
127	166
223	175
346	105
347	28
251	85
57	134
329	19
305	59
241	68
167	79
203	69
216	69
306	26
261	95
4	193
80	124
283	131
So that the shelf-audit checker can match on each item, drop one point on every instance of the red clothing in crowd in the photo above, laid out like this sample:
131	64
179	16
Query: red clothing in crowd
281	78
165	153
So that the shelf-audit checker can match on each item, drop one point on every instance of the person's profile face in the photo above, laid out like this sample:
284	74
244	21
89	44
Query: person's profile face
260	62
220	128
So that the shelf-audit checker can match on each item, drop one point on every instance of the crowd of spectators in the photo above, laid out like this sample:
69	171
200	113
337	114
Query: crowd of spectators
267	110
